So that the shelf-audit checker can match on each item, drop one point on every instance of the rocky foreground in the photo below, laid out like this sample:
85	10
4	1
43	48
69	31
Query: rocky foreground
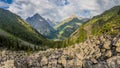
99	52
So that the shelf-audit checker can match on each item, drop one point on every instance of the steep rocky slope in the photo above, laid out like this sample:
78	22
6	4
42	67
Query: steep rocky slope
98	52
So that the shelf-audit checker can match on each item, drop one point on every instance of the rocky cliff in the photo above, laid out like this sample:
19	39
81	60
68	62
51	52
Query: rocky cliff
42	26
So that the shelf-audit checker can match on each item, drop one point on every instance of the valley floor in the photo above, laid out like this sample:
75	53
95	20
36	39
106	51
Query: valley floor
98	52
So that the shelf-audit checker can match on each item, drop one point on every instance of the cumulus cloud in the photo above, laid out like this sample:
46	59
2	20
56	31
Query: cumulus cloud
60	9
3	5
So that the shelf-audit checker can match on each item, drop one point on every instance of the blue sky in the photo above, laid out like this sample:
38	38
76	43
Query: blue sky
58	10
7	1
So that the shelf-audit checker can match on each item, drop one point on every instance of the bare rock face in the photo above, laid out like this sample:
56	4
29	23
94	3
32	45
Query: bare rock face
42	26
93	53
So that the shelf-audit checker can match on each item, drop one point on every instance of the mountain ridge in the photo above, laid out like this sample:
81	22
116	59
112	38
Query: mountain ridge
41	25
16	29
68	26
106	23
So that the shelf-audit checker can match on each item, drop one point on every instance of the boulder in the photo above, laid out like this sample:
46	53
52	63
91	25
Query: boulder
99	65
94	60
78	63
62	61
87	64
107	44
118	49
8	64
118	43
108	53
70	63
44	61
79	56
114	62
97	41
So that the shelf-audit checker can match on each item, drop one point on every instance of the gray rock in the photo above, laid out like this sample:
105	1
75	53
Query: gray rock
114	62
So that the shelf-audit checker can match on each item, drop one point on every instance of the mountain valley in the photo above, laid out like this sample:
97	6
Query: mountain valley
82	42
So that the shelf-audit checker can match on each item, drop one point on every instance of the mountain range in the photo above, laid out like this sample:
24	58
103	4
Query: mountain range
84	43
51	31
17	32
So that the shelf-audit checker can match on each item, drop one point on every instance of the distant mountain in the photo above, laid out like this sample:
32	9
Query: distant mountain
17	33
50	22
66	27
108	23
53	23
95	44
42	26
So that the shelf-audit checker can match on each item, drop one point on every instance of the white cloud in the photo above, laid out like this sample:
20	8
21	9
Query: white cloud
2	4
61	9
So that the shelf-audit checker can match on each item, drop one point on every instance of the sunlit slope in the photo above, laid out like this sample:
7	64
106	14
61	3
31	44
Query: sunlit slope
107	23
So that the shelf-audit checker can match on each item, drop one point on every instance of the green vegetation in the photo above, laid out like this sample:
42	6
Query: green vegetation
106	23
16	34
11	42
14	25
68	26
78	36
